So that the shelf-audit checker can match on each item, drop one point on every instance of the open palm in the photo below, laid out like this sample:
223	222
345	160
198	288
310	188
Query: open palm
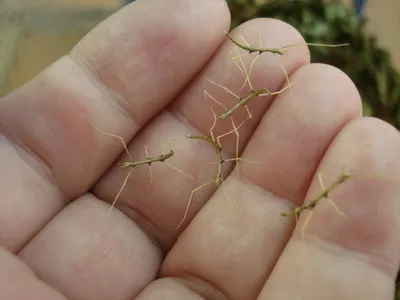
140	75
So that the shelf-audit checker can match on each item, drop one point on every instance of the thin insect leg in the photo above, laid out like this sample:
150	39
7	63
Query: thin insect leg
215	119
237	146
228	133
247	79
249	115
234	58
337	208
240	69
252	63
119	193
305	224
268	93
233	123
213	99
150	171
219	103
244	41
315	45
224	107
118	137
190	201
235	129
127	176
180	171
213	125
246	75
289	83
242	159
217	140
170	144
223	87
321	183
241	55
238	159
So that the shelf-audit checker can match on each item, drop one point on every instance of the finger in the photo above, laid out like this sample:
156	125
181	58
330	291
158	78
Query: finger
170	288
18	282
116	79
358	256
295	133
87	254
266	72
235	240
160	208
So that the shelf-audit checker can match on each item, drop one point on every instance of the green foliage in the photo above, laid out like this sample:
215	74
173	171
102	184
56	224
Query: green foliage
334	23
398	287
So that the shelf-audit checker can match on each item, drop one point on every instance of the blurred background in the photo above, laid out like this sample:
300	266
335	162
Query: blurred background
35	33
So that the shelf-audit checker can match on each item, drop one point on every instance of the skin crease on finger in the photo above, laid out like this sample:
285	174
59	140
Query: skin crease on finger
18	282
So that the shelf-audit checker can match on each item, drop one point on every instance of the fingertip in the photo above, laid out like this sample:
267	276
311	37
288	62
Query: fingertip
369	148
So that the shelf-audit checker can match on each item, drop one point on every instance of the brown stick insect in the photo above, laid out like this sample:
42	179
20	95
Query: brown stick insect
131	164
216	144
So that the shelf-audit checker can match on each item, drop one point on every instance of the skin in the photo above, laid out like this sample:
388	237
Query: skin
140	75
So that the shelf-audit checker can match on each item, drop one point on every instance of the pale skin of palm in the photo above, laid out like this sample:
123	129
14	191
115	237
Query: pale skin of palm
140	75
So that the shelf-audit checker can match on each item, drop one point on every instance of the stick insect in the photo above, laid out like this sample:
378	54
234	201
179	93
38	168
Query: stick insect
343	177
278	51
325	191
216	144
163	157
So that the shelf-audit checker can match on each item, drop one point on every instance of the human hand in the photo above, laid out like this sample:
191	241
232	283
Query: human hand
140	75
